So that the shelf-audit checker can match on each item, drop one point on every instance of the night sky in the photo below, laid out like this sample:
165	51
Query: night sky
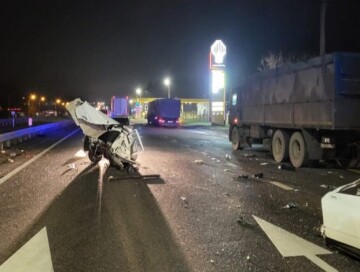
97	49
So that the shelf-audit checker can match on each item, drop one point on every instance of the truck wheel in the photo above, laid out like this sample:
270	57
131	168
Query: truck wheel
235	139
280	145
297	150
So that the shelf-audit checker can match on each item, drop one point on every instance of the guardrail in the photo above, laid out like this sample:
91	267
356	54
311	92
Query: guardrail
7	122
18	136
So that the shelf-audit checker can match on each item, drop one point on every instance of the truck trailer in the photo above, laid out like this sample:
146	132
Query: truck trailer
164	112
305	111
119	110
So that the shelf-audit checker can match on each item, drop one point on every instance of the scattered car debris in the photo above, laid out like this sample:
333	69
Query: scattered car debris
80	154
103	166
199	162
246	155
146	177
291	206
327	186
227	157
264	163
244	222
71	166
259	175
241	177
286	167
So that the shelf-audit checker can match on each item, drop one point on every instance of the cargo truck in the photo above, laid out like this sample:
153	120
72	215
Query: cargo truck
119	110
305	111
164	112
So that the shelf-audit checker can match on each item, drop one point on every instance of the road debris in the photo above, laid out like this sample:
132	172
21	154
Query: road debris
10	160
238	178
227	170
286	167
3	152
12	155
146	177
246	155
264	163
71	166
227	157
81	154
259	175
103	166
244	222
327	186
212	261
199	162
248	258
291	205
217	161
183	198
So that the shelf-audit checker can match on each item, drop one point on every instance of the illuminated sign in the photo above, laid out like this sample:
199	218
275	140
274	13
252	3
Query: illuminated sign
218	50
218	80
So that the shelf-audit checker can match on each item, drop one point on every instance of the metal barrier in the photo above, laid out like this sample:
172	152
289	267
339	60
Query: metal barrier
21	135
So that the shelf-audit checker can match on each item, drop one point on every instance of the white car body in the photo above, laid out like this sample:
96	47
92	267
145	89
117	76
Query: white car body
341	215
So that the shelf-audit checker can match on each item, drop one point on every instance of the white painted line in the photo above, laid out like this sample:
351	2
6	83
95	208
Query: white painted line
354	170
282	186
26	164
290	245
33	256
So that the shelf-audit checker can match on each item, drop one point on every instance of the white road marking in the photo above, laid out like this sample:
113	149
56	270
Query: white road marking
354	170
26	164
281	185
33	256
290	245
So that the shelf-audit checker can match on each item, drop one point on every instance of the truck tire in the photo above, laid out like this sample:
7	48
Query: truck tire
235	138
297	150
280	145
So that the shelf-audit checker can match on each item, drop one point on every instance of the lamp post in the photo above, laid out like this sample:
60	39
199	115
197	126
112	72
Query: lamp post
31	98
167	83
42	99
57	101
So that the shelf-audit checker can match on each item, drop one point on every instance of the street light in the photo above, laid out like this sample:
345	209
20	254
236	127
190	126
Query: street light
32	97
57	101
167	83
138	92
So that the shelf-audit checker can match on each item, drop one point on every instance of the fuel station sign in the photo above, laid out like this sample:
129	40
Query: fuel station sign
217	78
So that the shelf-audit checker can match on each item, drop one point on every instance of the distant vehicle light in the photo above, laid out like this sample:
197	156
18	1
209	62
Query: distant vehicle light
235	120
156	117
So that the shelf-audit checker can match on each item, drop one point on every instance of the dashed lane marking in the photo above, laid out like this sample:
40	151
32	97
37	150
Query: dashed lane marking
282	186
26	164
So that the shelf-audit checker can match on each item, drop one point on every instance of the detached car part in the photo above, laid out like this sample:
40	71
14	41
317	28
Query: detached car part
105	137
341	218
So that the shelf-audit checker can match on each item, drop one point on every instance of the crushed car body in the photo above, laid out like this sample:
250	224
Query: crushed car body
105	137
341	218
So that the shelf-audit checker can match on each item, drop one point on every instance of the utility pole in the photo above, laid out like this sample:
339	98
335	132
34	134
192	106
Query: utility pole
322	27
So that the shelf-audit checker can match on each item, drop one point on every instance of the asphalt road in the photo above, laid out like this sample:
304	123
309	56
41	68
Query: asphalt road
198	216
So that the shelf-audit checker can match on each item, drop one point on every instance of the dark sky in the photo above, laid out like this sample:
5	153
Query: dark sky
96	49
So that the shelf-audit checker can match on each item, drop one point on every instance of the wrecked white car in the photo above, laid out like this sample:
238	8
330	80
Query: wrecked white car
341	218
105	137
